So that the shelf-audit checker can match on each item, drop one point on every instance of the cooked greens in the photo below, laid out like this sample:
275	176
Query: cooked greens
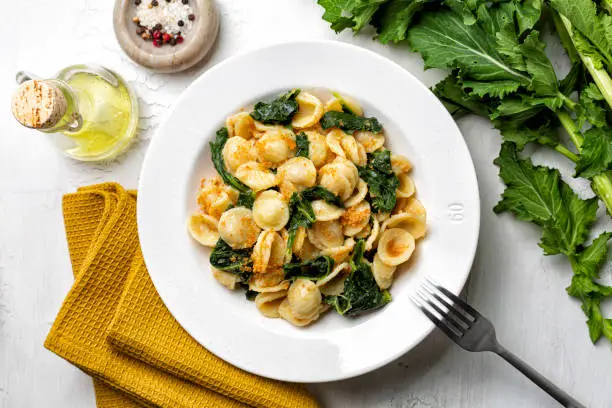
321	193
302	145
350	122
246	197
382	182
280	111
361	292
236	261
313	269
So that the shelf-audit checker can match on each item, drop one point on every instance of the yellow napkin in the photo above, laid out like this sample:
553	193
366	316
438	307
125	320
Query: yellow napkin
114	326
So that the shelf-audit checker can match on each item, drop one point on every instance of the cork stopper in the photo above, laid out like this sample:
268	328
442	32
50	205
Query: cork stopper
39	104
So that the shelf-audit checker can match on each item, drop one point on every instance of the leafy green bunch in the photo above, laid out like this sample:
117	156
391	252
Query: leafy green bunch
495	52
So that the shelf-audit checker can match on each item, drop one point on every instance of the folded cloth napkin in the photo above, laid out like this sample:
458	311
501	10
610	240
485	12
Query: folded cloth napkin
114	326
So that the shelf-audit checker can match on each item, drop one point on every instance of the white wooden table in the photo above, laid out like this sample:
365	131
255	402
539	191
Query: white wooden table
512	282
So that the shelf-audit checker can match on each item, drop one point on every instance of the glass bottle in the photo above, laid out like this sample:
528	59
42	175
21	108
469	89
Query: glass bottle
89	111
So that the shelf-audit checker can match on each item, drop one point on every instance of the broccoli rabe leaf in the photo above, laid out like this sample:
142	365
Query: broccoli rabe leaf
458	101
246	199
592	107
361	292
382	182
321	193
349	122
301	215
216	151
586	266
537	194
596	153
313	269
393	19
279	111
302	145
236	261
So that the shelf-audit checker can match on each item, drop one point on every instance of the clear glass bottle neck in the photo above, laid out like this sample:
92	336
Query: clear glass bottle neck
72	120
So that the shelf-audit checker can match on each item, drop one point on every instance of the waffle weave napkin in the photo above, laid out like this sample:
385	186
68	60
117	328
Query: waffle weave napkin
114	326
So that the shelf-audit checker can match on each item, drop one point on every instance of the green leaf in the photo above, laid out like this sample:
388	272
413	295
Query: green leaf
497	89
312	269
592	107
382	182
446	43
597	28
216	151
596	153
544	79
457	101
537	194
279	111
335	11
321	193
350	122
528	13
236	261
393	19
302	145
246	200
538	130
592	258
363	11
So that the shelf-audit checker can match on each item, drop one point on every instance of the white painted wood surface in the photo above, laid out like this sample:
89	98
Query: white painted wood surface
512	283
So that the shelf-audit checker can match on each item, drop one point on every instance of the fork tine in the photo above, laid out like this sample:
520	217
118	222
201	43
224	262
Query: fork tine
456	299
456	314
451	323
439	323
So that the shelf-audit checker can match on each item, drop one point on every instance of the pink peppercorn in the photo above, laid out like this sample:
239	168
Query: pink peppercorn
166	37
179	39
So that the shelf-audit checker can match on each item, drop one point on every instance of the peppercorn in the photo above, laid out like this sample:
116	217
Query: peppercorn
136	20
173	42
185	1
191	17
179	39
156	35
157	43
155	3
140	30
166	37
146	35
181	23
157	27
137	2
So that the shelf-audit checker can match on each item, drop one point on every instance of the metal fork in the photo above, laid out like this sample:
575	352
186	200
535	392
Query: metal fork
473	332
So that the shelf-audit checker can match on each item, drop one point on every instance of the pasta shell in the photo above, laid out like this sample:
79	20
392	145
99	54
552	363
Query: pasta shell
236	152
326	234
310	110
268	303
275	146
406	186
415	225
373	237
340	253
334	141
354	151
229	280
356	218
333	180
284	310
400	164
333	104
383	273
325	211
241	124
304	299
358	195
318	151
299	171
370	141
256	176
348	170
238	229
270	210
271	281
307	251
268	252
352	104
411	206
395	246
203	228
215	197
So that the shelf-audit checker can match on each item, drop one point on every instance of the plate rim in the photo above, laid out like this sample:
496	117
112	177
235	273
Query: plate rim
473	184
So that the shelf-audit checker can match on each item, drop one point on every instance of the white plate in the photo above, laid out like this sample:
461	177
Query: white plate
335	347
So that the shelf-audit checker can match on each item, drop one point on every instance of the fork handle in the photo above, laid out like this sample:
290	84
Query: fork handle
557	393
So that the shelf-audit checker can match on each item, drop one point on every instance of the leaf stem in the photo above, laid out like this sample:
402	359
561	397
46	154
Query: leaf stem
602	185
566	152
570	127
567	101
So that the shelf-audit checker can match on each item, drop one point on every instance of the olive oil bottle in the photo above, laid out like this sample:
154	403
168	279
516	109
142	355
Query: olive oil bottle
89	111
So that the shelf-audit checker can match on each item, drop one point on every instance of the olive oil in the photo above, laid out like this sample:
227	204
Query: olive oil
99	113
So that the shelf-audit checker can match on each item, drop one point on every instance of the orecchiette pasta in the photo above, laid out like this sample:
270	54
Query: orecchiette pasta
297	219
395	246
270	210
325	211
275	146
310	111
203	228
241	124
370	141
236	152
268	303
229	280
256	176
237	228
